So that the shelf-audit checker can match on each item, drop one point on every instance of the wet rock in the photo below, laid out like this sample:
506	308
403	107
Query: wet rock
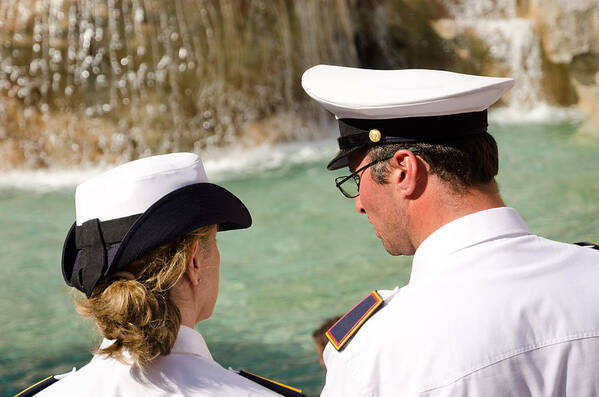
568	27
570	30
396	34
588	95
557	85
550	47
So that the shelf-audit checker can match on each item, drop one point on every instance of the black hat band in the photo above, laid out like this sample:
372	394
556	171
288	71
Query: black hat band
93	240
358	132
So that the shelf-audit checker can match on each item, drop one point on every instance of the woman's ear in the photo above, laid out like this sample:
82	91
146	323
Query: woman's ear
193	262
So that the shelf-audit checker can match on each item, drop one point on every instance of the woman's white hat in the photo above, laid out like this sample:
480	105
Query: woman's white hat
126	212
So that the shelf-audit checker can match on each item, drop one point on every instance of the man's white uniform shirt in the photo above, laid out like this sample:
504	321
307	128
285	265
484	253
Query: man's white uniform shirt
490	310
188	370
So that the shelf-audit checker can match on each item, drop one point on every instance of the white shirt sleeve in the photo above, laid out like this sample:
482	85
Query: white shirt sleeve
342	379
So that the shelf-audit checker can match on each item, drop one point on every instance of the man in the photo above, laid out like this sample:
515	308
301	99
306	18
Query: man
490	309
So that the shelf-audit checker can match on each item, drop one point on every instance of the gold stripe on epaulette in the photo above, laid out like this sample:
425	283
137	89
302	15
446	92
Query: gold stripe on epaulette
32	386
274	381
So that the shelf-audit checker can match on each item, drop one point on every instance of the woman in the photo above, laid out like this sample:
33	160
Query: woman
143	253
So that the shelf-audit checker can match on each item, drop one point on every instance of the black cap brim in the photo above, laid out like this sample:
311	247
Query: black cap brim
179	213
174	215
341	159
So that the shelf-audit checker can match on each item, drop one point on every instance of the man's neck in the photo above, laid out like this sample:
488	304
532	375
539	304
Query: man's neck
440	205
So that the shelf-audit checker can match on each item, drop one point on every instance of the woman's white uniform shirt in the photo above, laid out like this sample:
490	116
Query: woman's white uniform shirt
188	370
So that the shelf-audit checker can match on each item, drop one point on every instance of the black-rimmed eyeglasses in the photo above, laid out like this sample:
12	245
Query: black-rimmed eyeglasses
352	189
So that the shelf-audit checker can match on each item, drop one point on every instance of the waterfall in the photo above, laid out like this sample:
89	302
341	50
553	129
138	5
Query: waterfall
113	80
105	81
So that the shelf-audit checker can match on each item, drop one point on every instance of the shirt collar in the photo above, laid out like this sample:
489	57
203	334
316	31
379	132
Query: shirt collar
462	233
188	341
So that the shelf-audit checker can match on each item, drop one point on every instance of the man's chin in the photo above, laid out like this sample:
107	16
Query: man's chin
395	251
390	249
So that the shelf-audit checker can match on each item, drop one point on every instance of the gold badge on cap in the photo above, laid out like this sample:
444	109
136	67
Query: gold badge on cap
374	135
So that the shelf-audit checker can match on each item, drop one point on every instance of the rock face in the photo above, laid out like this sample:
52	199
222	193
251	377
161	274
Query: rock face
568	27
392	34
569	32
550	46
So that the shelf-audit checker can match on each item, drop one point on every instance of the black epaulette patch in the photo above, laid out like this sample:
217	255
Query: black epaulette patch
347	325
590	245
38	387
277	387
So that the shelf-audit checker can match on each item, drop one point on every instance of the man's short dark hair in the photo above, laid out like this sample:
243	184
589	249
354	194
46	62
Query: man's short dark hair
461	163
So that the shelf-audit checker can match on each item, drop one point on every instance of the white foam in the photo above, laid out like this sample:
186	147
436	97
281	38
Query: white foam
220	164
539	114
230	162
46	179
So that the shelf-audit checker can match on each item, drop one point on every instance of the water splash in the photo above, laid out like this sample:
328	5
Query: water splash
221	163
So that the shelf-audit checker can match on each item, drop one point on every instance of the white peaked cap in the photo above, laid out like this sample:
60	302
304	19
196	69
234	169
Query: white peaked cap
385	94
133	187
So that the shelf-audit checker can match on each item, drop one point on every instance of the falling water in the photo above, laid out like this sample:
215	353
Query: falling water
119	79
512	42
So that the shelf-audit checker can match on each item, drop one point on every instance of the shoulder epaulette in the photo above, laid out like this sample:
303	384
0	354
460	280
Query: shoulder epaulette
349	324
590	245
38	387
277	387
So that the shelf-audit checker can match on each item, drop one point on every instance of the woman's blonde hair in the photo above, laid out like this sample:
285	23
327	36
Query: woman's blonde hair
138	314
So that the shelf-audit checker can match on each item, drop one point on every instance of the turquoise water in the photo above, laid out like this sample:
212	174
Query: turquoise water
307	257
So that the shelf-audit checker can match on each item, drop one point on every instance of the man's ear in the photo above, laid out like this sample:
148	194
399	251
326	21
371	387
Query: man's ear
405	169
193	262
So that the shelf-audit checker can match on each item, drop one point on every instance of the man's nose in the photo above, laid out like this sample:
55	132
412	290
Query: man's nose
359	207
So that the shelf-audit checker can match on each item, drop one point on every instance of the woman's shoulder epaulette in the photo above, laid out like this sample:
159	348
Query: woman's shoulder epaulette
278	387
587	244
37	387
